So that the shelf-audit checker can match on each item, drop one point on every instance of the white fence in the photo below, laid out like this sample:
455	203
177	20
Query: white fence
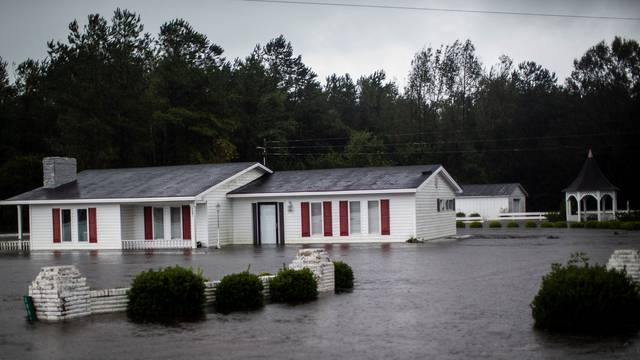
14	245
155	244
506	216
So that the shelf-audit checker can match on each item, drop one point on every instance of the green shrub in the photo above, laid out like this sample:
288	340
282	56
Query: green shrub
630	225
495	224
168	295
343	275
414	240
265	274
581	298
633	215
239	292
475	225
560	224
546	224
460	224
555	216
293	286
513	224
474	215
530	224
460	214
576	225
591	224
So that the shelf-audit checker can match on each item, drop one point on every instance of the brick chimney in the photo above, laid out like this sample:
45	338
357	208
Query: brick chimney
58	171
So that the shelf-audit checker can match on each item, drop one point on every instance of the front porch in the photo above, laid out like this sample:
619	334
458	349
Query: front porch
171	225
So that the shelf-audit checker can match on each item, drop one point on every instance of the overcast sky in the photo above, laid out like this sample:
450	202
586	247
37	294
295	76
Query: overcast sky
340	39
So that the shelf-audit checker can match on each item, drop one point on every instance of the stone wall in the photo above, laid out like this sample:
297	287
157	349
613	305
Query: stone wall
318	261
61	293
626	259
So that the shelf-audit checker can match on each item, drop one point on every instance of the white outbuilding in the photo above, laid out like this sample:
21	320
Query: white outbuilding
491	200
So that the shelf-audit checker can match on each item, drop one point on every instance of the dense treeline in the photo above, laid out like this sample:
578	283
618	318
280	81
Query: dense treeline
112	95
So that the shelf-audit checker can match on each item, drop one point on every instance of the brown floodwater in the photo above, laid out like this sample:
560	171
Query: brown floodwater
447	300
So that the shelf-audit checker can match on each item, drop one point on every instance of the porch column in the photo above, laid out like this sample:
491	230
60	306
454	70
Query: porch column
599	197
614	203
20	226
567	206
579	201
194	242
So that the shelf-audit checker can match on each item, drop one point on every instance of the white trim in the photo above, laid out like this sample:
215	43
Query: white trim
233	177
324	193
97	201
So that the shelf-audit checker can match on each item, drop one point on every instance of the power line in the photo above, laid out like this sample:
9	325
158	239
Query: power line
450	10
466	141
512	150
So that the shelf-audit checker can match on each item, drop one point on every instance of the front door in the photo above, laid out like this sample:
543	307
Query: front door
268	224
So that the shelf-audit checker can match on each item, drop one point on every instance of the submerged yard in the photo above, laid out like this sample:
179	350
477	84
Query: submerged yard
454	299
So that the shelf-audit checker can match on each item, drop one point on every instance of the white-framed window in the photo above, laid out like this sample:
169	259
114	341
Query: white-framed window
316	218
65	224
446	205
176	223
83	225
373	207
355	226
158	223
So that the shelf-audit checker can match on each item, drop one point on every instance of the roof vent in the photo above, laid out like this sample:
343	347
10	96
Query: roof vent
58	171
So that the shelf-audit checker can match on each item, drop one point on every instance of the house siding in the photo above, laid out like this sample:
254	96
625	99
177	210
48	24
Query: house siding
401	210
219	196
487	207
431	224
108	226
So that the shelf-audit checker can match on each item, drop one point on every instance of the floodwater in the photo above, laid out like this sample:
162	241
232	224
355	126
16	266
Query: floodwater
447	300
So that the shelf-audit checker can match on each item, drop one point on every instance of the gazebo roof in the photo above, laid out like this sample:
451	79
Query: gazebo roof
591	178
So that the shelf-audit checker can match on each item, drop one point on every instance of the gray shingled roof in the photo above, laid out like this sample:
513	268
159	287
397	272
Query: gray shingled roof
590	178
144	182
365	178
490	189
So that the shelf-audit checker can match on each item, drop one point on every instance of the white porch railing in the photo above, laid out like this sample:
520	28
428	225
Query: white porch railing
155	244
470	219
14	245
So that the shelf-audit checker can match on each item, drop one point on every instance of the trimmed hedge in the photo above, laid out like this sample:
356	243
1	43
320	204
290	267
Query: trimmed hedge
343	276
576	225
581	298
168	295
546	224
460	224
239	292
293	286
560	224
530	224
475	225
513	224
460	214
495	224
474	215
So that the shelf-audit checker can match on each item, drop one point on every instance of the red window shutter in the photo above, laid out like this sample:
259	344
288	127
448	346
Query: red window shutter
384	217
328	226
344	218
56	225
186	222
93	226
148	223
304	215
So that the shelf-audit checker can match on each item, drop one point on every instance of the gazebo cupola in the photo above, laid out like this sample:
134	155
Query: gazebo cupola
591	196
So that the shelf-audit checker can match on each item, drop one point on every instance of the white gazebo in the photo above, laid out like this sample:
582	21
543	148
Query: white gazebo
591	196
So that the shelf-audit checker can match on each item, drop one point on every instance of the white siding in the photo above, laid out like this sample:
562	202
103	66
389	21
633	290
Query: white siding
219	196
108	226
202	227
430	223
518	194
401	219
487	207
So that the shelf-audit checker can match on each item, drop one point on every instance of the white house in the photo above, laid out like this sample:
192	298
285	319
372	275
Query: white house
490	200
234	203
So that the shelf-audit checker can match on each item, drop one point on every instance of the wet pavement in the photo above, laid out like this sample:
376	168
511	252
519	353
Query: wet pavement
447	300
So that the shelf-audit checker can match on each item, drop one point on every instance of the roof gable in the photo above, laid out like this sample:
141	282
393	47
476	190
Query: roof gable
341	179
144	182
505	189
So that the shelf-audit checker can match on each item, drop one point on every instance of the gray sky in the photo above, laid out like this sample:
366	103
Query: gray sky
344	40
